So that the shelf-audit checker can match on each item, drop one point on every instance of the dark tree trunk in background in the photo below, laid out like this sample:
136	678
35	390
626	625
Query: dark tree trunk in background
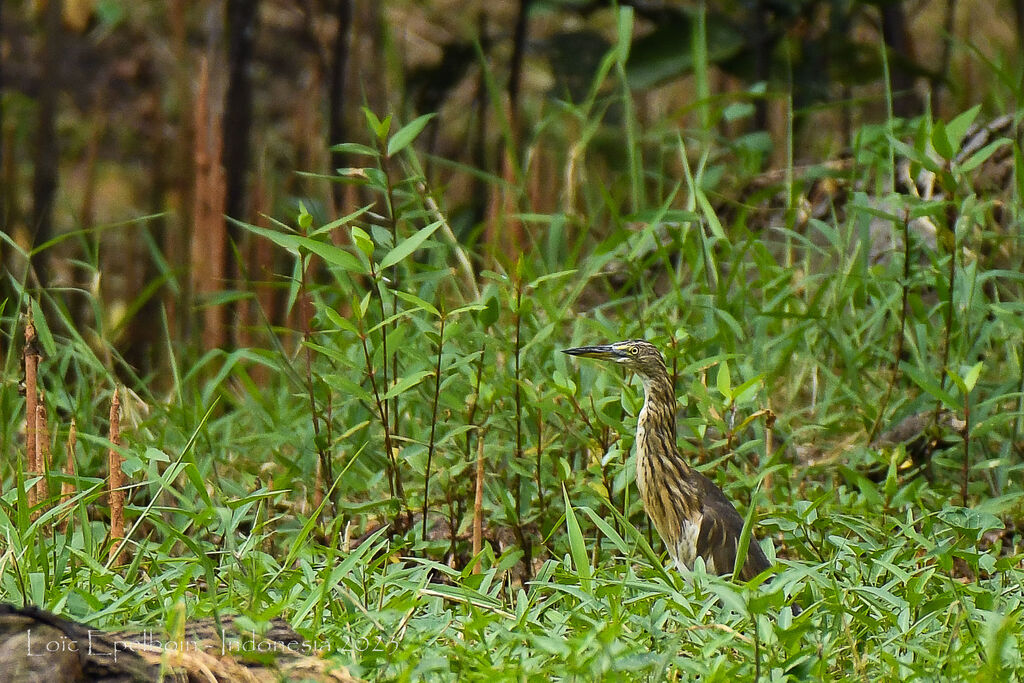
6	195
905	102
515	75
480	102
44	180
336	96
1018	10
504	232
241	30
758	34
941	77
4	213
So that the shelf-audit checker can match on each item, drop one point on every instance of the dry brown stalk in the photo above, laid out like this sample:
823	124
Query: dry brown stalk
42	453
318	486
504	232
116	496
67	488
31	396
478	503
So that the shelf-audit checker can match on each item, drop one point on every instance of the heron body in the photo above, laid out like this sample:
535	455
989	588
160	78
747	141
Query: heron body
692	515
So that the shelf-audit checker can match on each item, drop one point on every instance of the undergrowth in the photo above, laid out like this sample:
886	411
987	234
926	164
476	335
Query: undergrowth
336	486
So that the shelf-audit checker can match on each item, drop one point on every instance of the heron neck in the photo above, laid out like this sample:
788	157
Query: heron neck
659	411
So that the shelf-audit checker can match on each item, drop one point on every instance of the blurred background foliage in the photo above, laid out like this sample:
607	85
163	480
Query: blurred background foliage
107	122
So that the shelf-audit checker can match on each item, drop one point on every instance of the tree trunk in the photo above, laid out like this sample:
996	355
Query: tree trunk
242	18
905	102
44	180
336	95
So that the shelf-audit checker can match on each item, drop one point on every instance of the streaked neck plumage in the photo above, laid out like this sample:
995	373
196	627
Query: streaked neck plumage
659	404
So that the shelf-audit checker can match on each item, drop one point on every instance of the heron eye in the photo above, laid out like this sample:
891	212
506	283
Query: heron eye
635	350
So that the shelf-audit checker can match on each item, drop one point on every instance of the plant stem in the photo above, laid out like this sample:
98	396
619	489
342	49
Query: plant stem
540	451
948	332
326	466
518	487
394	481
898	352
433	426
967	449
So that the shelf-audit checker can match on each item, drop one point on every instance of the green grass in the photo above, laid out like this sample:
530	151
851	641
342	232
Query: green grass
572	581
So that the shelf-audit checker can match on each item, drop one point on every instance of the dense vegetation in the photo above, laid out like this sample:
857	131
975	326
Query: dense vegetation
330	476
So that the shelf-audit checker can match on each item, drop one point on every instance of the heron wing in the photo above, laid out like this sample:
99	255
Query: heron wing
721	527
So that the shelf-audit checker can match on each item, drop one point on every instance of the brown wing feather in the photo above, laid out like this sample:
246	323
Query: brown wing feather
720	532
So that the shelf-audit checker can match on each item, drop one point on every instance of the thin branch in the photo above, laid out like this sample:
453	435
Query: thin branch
433	427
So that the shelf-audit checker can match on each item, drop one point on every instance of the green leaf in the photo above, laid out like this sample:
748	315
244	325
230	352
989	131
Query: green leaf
406	383
131	464
733	324
354	148
42	329
957	128
363	304
968	519
489	315
745	539
724	382
418	302
709	213
915	155
196	477
971	378
362	241
958	381
404	136
746	391
982	155
344	385
625	34
335	256
577	546
929	385
378	127
941	142
305	218
466	309
156	454
340	322
409	245
281	239
606	529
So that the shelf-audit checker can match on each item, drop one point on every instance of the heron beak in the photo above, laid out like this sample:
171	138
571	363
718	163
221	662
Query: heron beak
602	352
